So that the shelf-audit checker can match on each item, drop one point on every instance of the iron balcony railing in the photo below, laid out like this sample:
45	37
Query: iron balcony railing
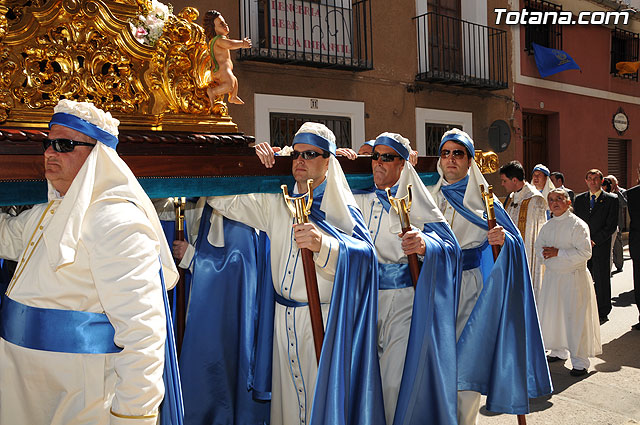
546	34
453	51
326	33
625	47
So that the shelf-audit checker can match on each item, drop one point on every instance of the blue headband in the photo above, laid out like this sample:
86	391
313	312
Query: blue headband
370	142
460	139
315	140
544	170
84	127
393	144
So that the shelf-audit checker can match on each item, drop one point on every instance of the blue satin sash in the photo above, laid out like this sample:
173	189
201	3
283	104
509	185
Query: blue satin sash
500	351
472	257
287	302
394	276
62	331
381	194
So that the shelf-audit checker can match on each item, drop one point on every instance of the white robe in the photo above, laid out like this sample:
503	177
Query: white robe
395	306
536	218
567	304
295	366
115	271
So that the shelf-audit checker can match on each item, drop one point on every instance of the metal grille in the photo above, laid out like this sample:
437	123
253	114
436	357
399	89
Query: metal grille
624	48
617	160
318	33
283	127
546	35
453	51
433	134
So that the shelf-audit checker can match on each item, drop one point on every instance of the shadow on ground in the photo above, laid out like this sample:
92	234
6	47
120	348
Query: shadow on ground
561	381
621	351
625	299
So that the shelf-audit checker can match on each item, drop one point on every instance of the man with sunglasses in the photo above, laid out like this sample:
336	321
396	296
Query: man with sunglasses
499	349
83	323
410	322
347	377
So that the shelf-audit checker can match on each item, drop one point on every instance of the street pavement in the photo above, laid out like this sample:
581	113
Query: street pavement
610	393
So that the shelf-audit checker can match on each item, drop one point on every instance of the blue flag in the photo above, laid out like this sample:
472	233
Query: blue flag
551	61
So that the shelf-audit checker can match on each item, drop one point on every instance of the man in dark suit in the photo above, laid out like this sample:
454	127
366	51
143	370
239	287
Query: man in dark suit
557	178
633	205
599	210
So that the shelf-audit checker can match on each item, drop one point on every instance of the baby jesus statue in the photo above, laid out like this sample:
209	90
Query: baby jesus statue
223	80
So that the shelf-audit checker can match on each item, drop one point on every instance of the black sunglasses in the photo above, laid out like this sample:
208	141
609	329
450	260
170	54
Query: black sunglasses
457	153
386	157
307	155
63	145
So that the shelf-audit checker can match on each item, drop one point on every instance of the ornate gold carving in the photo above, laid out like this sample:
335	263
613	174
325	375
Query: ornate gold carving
487	162
84	50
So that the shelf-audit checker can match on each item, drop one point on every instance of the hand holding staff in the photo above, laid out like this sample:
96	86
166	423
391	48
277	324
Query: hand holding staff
300	208
180	204
402	207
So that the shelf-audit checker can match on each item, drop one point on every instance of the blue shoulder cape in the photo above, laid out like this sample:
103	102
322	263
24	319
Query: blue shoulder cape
217	351
428	388
348	387
500	351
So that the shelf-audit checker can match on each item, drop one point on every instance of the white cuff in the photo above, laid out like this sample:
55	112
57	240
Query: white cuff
185	263
328	246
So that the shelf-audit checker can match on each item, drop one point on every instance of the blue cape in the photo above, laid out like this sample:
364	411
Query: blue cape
348	387
216	359
428	388
500	351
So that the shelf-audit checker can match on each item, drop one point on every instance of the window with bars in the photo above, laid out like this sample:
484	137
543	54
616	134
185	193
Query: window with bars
624	48
283	126
433	135
545	34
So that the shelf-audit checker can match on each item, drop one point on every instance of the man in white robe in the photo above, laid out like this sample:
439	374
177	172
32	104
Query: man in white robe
567	305
488	309
528	210
91	255
392	169
295	367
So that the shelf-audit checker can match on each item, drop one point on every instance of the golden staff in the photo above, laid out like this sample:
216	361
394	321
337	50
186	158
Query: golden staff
402	207
491	215
300	208
180	205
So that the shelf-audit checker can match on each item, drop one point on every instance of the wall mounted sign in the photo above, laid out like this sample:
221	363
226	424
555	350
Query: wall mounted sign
620	121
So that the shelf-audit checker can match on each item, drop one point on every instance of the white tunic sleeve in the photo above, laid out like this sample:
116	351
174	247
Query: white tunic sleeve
252	209
580	249
13	239
124	260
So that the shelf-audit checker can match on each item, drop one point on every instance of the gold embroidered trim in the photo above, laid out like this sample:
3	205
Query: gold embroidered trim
117	415
23	261
522	216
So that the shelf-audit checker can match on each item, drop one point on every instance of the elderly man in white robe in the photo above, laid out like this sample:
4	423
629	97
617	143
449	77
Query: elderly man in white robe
541	180
567	305
295	368
83	321
528	210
